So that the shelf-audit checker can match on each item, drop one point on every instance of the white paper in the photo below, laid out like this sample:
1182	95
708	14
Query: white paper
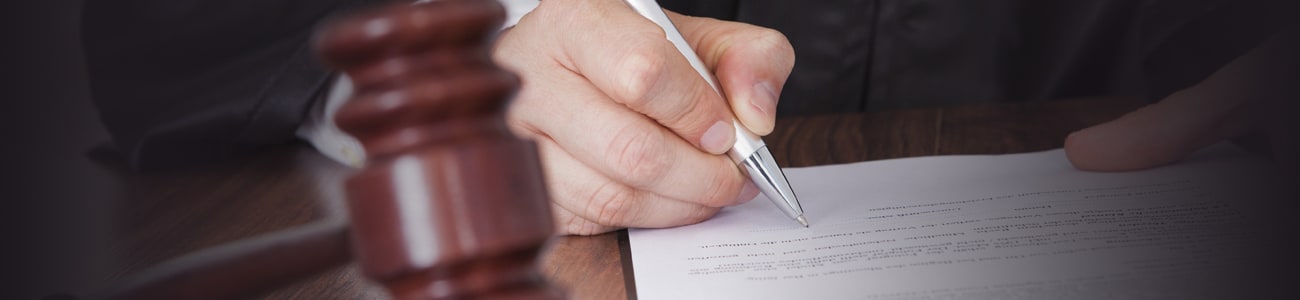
1025	226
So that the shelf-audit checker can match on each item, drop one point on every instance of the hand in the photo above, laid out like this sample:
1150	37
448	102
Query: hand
1159	133
629	134
1254	93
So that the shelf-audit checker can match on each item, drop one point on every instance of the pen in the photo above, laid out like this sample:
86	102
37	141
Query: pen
749	151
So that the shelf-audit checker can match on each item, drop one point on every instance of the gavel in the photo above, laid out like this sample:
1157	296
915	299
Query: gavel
450	205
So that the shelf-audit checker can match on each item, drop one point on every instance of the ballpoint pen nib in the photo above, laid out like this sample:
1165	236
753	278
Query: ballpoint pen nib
802	221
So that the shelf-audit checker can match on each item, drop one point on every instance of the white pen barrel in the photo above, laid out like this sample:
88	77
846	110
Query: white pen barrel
651	10
747	143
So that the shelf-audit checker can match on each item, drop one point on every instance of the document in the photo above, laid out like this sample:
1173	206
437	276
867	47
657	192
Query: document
1022	226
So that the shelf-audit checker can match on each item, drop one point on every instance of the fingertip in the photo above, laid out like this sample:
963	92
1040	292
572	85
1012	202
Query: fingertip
753	85
718	138
700	214
761	111
1079	154
1093	149
1120	145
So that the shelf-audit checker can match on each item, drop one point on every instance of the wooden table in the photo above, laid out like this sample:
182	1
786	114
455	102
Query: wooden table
163	215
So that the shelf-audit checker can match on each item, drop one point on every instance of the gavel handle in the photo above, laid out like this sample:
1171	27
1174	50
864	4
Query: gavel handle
244	268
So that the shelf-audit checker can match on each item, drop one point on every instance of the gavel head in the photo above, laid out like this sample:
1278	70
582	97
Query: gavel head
450	203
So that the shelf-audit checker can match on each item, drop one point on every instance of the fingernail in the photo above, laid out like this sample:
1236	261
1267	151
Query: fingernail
764	99
747	193
718	138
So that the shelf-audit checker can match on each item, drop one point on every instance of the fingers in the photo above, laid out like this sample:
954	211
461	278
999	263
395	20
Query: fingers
752	64
628	58
592	203
630	133
1158	134
568	223
626	146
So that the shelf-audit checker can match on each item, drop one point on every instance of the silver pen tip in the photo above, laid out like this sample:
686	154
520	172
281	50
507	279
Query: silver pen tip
802	221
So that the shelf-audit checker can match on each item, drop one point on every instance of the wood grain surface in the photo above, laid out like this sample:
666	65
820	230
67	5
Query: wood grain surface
158	216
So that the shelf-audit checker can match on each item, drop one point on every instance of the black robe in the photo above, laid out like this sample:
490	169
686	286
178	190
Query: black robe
864	55
180	82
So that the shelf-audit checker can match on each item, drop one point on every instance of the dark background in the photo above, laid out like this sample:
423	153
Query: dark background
52	224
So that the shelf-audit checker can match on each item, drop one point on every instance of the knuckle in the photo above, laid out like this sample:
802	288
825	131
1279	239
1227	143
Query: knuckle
571	224
640	69
638	155
515	121
580	226
700	214
695	114
772	44
609	205
590	229
772	40
567	222
724	192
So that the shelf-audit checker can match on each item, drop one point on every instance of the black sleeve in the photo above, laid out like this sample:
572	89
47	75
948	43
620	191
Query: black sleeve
717	9
1186	41
181	82
855	55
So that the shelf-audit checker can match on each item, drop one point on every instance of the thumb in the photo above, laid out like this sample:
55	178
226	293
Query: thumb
751	64
1159	133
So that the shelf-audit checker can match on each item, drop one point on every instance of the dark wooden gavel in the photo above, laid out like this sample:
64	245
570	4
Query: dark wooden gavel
450	205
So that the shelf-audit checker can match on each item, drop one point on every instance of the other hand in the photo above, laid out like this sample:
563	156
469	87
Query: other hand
1256	93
